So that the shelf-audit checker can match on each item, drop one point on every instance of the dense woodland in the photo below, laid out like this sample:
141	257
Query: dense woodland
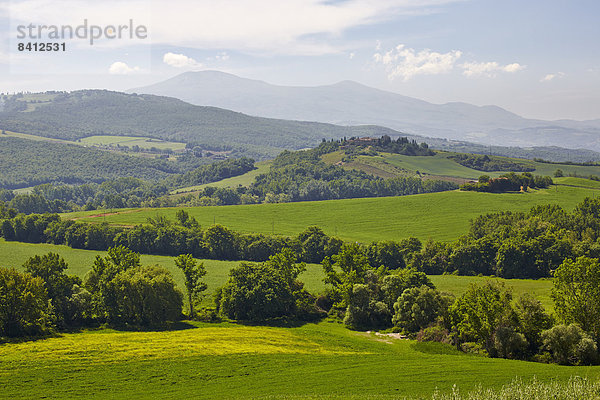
25	163
489	164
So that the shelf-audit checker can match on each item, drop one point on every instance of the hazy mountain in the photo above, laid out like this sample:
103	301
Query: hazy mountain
350	103
79	114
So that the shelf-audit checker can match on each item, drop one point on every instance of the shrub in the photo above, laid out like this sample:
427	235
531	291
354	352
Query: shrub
569	344
434	333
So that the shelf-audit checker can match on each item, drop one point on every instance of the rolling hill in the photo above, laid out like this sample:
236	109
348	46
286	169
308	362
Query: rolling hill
351	103
80	114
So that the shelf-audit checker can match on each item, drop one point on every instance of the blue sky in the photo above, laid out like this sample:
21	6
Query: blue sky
540	59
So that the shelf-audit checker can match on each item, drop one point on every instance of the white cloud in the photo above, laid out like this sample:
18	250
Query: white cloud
120	68
223	56
489	69
180	61
549	77
406	63
304	27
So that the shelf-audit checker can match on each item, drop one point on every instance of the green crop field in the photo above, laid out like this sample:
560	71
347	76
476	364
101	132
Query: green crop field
246	179
213	361
440	216
387	165
130	141
14	254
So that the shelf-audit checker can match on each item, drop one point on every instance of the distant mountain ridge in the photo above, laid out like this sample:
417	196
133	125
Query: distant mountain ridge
351	103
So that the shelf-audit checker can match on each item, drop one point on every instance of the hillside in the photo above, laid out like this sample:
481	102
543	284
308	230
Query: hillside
350	103
26	163
439	216
76	115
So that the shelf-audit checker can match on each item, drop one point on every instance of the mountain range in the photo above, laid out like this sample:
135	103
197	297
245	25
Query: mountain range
351	103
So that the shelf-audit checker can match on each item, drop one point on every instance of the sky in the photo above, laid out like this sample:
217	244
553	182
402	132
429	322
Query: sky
537	58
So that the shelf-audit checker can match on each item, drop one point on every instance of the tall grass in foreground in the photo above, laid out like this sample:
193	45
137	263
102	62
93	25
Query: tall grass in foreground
577	388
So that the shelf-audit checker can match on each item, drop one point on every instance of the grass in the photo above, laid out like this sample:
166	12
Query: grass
388	165
246	179
457	285
440	216
212	361
130	141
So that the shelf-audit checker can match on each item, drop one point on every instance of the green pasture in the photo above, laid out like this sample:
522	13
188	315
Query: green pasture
224	361
440	216
130	141
246	179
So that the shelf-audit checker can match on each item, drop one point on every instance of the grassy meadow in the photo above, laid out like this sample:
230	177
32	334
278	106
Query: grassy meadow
387	165
439	216
210	361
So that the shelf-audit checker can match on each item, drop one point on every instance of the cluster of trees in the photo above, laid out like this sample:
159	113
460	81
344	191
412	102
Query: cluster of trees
402	145
214	172
489	164
303	176
517	244
510	182
118	290
485	319
268	290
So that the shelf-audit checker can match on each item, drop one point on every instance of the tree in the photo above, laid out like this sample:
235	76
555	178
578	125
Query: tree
261	291
480	311
193	273
533	319
104	270
395	284
144	296
50	268
570	345
418	307
349	268
221	242
24	306
364	311
576	293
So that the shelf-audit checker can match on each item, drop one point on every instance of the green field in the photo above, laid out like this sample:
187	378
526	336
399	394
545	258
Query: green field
441	165
440	216
246	179
214	361
14	254
130	141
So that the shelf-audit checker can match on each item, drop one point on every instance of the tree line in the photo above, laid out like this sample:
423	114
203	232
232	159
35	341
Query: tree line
503	244
510	182
489	164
